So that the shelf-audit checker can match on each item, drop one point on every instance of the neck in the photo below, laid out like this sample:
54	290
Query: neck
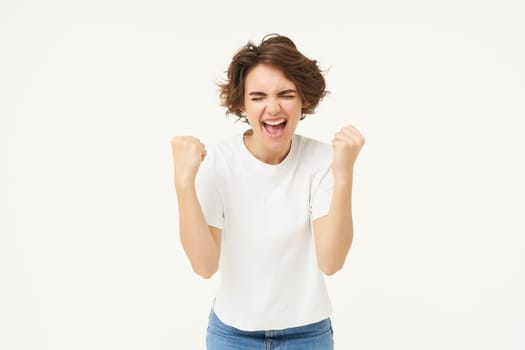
272	157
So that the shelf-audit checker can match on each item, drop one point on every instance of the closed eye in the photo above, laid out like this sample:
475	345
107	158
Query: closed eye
288	97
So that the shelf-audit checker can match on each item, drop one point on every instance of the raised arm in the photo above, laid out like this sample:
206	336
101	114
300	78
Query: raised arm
334	232
201	242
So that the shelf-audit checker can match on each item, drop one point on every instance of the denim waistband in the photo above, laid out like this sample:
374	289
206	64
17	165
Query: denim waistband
310	329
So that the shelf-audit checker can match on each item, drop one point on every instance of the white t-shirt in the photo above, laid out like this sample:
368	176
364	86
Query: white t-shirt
269	275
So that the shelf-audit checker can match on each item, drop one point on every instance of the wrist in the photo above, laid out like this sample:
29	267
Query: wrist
182	184
343	186
343	180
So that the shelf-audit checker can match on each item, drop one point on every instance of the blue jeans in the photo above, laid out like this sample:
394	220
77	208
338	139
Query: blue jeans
315	336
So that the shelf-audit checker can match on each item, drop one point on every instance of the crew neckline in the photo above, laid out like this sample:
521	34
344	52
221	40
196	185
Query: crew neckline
262	166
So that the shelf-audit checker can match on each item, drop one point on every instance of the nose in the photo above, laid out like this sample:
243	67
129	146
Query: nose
273	107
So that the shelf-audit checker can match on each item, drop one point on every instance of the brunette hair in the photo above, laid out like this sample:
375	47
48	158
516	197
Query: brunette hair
281	52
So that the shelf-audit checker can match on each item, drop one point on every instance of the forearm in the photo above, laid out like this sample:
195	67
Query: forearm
195	234
335	238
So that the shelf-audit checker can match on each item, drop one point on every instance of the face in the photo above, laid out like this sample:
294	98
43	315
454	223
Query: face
273	108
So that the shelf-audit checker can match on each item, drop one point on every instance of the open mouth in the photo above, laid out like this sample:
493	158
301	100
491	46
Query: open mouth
274	128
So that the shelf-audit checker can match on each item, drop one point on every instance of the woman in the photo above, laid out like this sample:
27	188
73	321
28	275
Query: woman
270	208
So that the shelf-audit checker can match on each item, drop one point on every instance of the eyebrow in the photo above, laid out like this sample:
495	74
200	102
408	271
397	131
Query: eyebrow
284	92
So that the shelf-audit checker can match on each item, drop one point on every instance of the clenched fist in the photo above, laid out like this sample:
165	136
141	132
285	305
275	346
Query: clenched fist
188	154
346	145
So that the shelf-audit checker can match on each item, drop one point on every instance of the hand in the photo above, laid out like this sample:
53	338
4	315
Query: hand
346	144
188	154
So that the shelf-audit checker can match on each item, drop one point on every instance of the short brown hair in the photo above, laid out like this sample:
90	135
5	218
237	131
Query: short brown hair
281	52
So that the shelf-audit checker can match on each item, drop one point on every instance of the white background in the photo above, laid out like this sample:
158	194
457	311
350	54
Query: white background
91	93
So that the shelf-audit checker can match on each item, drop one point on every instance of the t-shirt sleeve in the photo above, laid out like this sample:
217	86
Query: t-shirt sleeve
208	193
321	195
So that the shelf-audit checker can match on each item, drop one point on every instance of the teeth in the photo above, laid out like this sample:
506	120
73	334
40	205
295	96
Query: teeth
277	122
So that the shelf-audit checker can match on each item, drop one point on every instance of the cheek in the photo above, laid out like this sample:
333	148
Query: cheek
293	107
254	108
253	111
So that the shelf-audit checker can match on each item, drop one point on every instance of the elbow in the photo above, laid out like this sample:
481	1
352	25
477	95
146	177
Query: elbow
330	269
204	272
